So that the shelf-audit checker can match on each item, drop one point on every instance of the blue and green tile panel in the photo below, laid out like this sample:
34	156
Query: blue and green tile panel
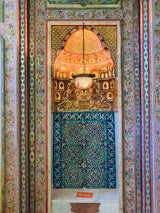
83	150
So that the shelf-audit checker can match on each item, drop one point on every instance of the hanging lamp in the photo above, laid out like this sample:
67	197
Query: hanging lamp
84	80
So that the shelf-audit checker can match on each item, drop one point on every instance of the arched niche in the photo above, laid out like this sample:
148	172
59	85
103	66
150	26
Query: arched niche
118	193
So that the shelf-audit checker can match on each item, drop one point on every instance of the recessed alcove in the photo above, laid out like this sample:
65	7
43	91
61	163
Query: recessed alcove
108	198
108	188
33	32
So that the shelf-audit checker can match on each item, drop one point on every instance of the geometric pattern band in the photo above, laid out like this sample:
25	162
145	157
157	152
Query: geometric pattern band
81	3
83	150
146	109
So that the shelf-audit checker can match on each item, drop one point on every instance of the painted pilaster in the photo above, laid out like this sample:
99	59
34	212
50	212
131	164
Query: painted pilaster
156	71
8	30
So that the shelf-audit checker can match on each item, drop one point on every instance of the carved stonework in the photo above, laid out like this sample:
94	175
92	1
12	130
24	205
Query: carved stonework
85	207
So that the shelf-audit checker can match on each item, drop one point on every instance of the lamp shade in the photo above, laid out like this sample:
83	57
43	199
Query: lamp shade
83	81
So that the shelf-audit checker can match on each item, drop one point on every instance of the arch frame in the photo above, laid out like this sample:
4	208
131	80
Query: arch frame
119	72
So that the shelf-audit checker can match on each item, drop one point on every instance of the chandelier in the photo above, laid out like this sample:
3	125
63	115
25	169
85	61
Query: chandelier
84	80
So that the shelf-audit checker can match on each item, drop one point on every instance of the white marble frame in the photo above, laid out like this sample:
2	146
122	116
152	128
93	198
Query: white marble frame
118	24
1	125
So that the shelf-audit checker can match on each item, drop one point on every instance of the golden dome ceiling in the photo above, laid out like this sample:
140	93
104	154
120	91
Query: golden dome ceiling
74	44
70	61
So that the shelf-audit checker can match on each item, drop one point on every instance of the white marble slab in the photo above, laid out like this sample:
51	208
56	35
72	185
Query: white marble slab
61	199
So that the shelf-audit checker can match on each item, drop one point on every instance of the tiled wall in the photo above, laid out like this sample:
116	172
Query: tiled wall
8	30
83	153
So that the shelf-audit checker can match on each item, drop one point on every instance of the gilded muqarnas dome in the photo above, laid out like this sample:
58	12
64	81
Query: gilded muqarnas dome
103	94
92	43
69	60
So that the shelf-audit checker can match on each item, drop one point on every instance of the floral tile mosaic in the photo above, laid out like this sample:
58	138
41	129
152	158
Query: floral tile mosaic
84	150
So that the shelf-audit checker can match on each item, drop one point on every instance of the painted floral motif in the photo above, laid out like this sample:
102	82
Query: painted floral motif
127	38
11	143
157	10
10	206
158	52
91	14
126	19
157	30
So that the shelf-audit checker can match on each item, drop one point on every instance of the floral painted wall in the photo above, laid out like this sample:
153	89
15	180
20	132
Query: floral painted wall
156	50
133	124
8	31
129	128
